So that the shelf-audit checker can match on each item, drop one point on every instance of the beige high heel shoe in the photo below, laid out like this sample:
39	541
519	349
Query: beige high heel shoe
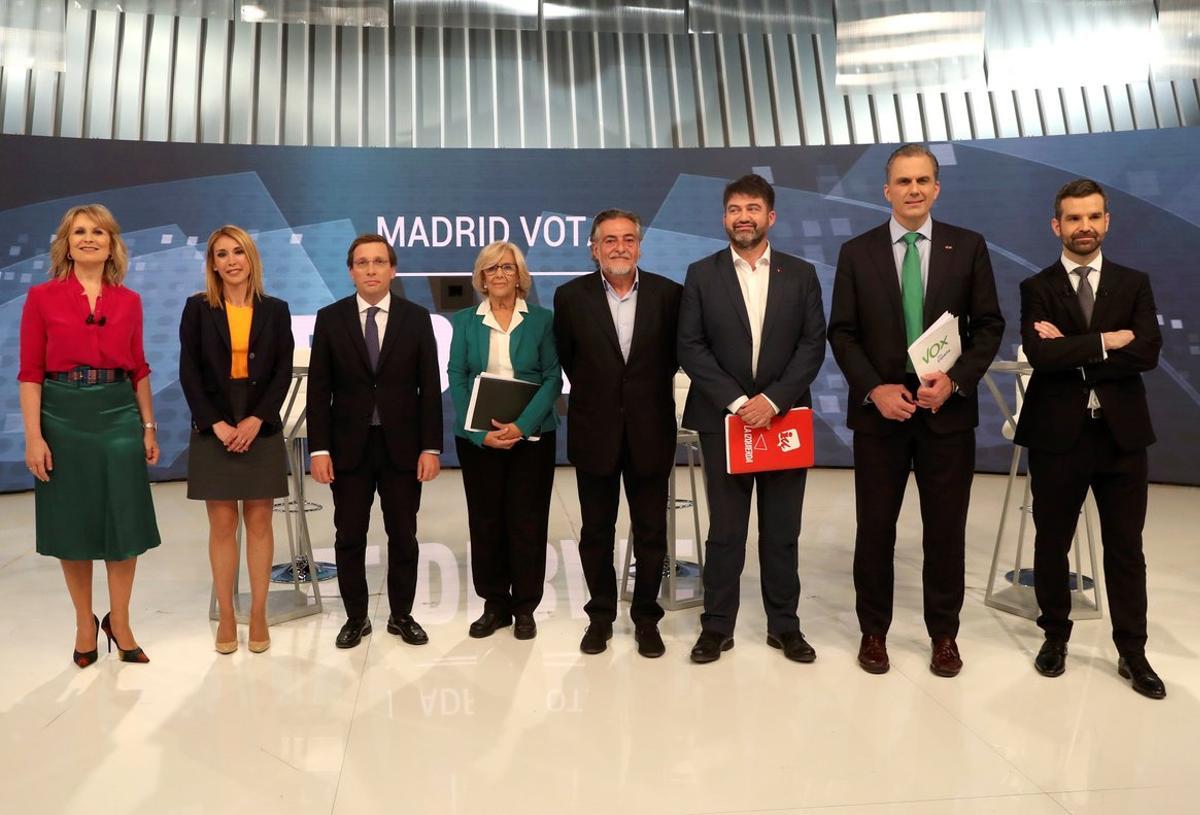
258	646
229	646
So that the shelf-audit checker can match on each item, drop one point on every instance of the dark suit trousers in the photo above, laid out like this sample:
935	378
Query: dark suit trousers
508	511
780	500
399	498
1060	483
944	467
599	499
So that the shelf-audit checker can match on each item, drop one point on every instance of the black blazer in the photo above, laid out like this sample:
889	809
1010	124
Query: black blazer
715	346
205	359
866	322
610	397
343	391
1052	414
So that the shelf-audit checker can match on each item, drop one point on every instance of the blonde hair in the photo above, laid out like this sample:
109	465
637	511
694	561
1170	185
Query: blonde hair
490	255
117	262
214	288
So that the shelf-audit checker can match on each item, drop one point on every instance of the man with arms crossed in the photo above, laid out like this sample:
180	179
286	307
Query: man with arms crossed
752	339
1089	328
615	331
375	424
891	283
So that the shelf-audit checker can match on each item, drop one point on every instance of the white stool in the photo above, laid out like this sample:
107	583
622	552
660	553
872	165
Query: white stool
683	585
1017	597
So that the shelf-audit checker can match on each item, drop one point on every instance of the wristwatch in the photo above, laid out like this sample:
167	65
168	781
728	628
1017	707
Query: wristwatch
150	426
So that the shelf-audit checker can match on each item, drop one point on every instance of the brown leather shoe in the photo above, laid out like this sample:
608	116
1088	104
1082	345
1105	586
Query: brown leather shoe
872	654
945	660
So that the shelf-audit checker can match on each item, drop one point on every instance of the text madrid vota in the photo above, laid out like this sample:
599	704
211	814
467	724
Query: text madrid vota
479	230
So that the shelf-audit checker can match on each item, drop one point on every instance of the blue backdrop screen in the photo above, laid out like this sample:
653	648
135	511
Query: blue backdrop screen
438	207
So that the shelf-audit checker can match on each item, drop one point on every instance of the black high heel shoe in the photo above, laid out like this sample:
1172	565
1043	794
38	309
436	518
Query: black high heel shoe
86	658
134	655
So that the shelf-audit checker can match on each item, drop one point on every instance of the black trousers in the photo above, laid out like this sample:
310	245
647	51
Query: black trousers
944	465
599	499
780	500
1060	482
508	512
399	498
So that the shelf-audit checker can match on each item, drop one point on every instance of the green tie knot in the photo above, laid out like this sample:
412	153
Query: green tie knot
911	238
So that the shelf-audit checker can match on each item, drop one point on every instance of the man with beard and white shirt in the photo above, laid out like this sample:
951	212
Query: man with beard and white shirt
1089	328
752	339
615	331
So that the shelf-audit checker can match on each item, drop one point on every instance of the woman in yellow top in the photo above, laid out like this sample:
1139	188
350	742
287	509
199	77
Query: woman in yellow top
235	366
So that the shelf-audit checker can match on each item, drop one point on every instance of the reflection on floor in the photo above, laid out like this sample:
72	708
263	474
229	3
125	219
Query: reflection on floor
503	726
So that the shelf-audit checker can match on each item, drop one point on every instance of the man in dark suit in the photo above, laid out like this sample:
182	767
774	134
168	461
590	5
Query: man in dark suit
375	424
891	283
752	339
1089	329
615	331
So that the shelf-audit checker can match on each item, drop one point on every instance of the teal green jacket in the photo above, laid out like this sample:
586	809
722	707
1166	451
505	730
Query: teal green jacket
534	359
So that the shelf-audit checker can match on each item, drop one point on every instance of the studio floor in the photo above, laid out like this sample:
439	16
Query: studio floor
505	726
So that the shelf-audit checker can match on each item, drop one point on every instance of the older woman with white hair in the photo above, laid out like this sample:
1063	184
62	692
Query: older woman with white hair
508	471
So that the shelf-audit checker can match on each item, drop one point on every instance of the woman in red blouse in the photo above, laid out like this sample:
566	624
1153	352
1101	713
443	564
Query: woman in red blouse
89	422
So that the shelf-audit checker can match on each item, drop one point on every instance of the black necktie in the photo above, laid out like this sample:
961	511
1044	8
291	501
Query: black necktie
372	337
1087	298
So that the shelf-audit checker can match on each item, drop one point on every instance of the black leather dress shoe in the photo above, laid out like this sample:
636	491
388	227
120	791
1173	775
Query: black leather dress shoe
649	641
525	628
487	624
793	645
595	638
1145	680
409	630
352	633
1051	660
709	646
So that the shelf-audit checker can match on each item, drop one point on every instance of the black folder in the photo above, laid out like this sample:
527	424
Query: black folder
499	398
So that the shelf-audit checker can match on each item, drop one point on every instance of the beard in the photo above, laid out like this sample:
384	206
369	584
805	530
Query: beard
1080	248
618	268
746	239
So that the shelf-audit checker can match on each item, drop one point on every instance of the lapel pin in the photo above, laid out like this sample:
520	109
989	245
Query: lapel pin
947	246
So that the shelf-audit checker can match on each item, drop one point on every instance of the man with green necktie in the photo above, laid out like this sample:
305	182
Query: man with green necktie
892	282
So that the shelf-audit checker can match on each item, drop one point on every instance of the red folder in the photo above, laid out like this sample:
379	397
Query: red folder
787	443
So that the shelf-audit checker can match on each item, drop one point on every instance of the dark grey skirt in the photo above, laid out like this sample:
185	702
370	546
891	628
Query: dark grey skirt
215	474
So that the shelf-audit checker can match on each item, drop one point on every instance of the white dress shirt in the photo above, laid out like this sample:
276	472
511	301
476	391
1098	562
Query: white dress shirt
754	281
499	361
381	319
900	248
1094	280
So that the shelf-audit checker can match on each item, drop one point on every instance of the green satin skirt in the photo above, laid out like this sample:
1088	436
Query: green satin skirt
97	504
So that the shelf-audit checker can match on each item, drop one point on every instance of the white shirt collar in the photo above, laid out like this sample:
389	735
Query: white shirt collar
1071	265
899	230
764	259
485	307
382	305
608	286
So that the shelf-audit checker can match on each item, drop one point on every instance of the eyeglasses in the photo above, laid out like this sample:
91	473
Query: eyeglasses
498	269
378	263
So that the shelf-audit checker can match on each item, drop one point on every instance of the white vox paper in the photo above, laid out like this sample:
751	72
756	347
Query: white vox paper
938	348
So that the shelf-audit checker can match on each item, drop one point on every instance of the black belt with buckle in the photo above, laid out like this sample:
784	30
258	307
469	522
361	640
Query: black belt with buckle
83	375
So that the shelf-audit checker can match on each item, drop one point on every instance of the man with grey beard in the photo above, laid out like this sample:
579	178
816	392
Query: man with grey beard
615	331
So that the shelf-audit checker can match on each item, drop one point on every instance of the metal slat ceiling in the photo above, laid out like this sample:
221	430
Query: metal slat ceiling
759	74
